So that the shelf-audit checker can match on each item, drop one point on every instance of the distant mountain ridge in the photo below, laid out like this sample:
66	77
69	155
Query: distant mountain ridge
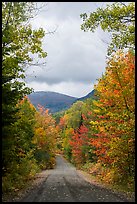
89	95
54	101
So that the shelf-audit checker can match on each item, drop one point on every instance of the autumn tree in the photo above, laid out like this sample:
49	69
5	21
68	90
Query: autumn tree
45	135
79	143
75	142
70	121
115	124
118	19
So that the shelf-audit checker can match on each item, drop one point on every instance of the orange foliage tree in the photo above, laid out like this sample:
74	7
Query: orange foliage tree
45	134
79	143
115	122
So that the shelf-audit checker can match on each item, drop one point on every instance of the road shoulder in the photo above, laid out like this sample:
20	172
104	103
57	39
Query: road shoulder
92	179
32	185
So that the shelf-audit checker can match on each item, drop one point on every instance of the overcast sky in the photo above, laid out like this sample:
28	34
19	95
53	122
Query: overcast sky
76	59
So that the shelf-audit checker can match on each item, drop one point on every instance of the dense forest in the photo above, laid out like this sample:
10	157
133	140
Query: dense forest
96	134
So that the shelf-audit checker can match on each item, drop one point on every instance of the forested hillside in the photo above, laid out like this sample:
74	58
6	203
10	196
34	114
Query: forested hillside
51	100
89	95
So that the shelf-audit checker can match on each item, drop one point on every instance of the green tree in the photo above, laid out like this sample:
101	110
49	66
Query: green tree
18	41
19	163
74	115
118	19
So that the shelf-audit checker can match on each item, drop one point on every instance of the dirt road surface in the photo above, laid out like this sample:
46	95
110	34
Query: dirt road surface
65	184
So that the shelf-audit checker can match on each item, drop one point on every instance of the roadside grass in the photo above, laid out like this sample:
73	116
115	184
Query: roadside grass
16	189
108	179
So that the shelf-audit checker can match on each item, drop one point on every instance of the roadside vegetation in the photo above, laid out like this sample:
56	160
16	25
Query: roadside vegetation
32	148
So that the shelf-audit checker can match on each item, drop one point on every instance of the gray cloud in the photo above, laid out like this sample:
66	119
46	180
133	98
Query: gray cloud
74	56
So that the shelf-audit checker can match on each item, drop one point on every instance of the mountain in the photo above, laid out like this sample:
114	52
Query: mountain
89	95
53	101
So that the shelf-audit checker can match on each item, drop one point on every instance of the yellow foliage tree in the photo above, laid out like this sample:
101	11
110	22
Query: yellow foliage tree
45	134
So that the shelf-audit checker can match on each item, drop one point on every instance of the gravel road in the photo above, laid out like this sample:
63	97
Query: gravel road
65	184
